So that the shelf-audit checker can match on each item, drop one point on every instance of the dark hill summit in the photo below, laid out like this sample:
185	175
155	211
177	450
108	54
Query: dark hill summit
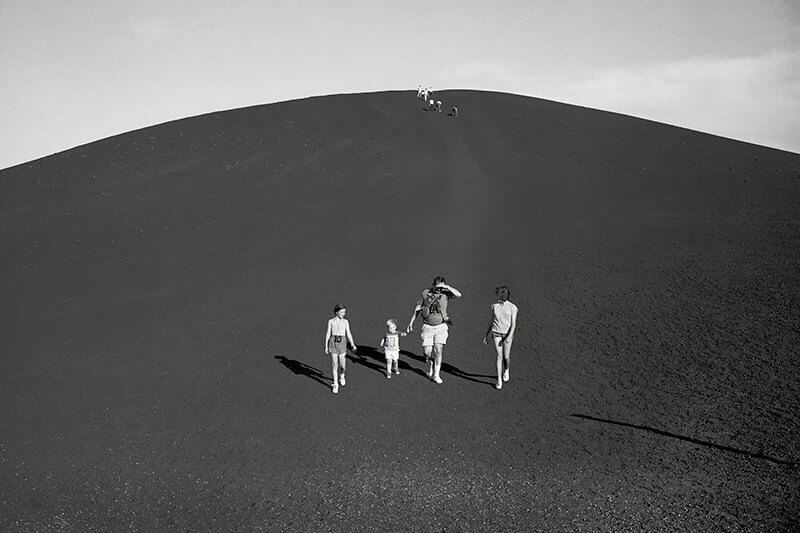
165	294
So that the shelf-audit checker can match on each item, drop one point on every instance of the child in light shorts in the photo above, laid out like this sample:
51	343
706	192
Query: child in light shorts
336	337
391	347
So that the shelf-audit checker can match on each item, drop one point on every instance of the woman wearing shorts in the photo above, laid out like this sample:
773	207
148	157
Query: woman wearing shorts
501	329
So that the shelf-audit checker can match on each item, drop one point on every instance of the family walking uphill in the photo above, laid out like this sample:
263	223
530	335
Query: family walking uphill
431	306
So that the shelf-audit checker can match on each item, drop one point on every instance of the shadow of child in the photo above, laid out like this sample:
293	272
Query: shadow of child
375	359
367	356
449	369
301	369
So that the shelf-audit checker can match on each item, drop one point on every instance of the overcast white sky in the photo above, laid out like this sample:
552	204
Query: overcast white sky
74	71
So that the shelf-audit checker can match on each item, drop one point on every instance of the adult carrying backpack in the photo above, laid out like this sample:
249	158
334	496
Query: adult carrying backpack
431	304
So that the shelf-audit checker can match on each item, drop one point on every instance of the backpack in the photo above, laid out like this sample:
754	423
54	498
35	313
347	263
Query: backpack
431	305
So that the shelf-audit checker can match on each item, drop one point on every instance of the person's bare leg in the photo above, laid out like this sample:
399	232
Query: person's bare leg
507	357
342	368
437	365
499	349
335	372
389	367
427	350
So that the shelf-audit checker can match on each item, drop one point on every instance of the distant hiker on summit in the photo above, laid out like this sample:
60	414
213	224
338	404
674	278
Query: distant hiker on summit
432	305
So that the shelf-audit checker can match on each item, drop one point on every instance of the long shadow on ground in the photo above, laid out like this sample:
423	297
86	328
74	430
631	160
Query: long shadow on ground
689	439
302	369
373	358
450	369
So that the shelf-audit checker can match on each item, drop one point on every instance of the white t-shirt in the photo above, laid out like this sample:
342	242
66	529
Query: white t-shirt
502	312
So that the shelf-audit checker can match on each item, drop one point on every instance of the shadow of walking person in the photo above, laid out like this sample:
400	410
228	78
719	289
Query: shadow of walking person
455	371
420	358
448	369
302	369
375	359
406	366
371	358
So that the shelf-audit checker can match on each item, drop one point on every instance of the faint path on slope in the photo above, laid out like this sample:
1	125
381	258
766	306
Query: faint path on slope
465	205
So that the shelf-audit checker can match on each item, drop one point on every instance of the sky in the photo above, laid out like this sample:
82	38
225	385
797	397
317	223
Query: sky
75	71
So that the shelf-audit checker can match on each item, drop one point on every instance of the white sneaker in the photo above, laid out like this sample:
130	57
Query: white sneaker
505	375
438	380
335	388
499	385
342	381
388	375
397	371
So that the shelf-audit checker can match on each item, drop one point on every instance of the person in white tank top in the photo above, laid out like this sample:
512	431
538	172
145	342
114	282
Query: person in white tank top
336	338
501	329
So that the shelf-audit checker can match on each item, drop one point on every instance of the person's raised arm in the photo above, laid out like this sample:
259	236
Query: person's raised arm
455	292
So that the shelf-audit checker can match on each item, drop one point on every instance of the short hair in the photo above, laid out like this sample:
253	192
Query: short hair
337	308
502	293
390	322
437	280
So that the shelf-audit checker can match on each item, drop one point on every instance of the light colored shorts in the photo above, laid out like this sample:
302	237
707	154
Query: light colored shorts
392	355
497	336
337	344
434	334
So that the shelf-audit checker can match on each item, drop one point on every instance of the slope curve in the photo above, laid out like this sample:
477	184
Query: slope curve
165	294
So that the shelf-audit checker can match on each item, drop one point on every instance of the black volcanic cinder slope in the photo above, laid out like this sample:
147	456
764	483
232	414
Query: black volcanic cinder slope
165	294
